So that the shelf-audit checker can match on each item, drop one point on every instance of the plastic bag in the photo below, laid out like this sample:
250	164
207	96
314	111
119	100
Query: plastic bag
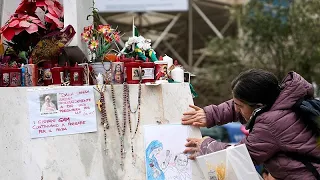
233	163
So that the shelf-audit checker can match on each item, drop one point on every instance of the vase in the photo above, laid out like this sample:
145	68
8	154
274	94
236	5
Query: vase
101	67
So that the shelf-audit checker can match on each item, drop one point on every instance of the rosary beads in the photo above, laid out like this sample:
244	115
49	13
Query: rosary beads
122	131
104	118
126	89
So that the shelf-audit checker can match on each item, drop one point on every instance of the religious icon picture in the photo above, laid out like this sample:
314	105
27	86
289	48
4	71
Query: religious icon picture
162	72
48	104
15	79
135	74
47	75
5	79
117	72
27	77
75	76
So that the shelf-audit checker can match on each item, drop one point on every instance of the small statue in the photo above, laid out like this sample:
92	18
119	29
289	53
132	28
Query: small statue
99	79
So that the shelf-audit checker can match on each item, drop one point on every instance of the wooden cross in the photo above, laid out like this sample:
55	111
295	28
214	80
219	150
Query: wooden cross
99	104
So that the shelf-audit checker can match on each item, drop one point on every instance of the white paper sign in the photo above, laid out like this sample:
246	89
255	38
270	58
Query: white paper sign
61	111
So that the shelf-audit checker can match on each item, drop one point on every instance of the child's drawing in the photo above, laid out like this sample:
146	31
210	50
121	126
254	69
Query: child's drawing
164	158
179	169
154	167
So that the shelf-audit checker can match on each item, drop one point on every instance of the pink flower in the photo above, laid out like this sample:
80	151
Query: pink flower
19	23
86	36
53	6
93	44
55	21
55	12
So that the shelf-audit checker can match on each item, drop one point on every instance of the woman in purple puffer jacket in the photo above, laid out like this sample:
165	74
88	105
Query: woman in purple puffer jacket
267	108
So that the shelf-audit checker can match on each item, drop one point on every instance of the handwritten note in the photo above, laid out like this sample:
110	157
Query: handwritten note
61	110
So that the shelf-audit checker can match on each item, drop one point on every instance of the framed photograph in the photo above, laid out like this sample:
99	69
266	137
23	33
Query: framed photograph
187	77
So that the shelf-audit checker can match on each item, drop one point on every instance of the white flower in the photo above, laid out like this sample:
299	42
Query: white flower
148	40
131	41
140	45
146	46
140	39
127	44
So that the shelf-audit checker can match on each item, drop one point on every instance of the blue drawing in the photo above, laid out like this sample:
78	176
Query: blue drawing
155	170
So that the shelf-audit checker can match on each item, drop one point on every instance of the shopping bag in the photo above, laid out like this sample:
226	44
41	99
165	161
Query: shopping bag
233	163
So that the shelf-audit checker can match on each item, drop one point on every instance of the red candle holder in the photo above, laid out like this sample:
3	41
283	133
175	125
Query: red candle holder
76	75
5	76
10	76
15	77
125	60
90	74
133	72
57	75
47	74
147	72
66	73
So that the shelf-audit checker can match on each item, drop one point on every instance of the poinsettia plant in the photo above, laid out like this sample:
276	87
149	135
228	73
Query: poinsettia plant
25	28
99	40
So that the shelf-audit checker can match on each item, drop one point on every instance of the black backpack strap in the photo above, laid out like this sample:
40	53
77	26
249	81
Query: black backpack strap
307	160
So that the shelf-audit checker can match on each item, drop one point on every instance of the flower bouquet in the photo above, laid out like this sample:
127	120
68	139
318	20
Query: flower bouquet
24	29
99	38
138	47
99	41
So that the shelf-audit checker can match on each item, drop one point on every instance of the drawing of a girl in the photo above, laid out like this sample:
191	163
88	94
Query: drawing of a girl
154	168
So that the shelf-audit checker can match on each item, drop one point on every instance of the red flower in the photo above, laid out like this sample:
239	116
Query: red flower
108	38
88	29
19	23
26	6
116	36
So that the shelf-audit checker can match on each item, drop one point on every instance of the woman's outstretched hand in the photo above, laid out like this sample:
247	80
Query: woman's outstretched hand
196	117
193	147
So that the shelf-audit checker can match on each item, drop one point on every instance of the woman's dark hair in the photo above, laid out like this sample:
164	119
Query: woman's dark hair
256	86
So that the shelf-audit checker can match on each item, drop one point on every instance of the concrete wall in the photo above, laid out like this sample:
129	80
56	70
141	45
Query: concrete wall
81	156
